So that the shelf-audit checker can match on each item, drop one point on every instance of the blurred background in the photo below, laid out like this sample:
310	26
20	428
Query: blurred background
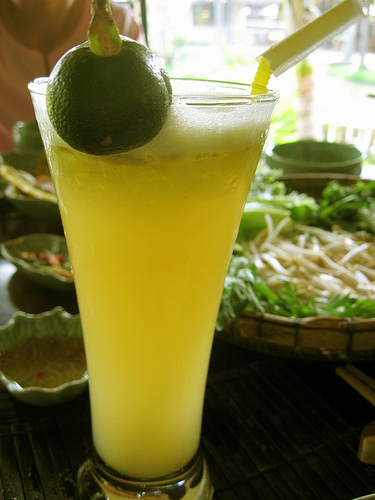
329	96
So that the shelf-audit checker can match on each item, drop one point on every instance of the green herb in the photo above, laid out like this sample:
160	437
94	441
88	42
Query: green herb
254	217
266	189
352	206
245	290
367	216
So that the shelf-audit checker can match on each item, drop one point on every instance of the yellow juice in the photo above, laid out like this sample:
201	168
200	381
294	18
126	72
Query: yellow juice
150	234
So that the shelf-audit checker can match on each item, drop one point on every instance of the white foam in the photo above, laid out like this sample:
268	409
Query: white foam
205	128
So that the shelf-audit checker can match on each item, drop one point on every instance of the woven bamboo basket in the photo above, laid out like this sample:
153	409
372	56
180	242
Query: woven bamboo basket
315	338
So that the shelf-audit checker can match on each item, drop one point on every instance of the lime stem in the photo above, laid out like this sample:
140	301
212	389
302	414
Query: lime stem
103	35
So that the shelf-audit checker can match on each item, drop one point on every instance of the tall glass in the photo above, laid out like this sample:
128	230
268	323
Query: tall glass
150	233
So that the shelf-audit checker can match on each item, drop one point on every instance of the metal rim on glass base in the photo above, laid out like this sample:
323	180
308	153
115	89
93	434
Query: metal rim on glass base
98	481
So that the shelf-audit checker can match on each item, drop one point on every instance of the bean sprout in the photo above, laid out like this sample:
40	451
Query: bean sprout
320	263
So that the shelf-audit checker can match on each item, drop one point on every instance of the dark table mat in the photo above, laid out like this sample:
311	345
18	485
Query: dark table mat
285	430
273	429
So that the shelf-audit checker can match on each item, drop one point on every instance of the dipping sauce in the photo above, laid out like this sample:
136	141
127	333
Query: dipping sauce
47	362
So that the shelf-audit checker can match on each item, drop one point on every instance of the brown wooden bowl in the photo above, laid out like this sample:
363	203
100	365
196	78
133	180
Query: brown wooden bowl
314	184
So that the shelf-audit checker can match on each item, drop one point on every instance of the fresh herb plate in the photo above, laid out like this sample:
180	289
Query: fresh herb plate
319	337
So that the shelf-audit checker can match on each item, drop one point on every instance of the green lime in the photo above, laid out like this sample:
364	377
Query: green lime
104	105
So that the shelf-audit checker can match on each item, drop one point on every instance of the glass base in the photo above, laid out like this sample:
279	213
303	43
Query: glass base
96	481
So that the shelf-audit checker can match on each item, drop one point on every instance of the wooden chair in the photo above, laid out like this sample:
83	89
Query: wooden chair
363	138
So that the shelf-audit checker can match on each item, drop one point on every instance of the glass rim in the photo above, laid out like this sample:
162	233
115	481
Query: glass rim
245	96
38	86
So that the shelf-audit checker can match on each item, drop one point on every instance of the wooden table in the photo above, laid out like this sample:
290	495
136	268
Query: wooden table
273	428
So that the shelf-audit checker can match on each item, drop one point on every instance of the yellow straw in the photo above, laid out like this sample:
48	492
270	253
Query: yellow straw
262	77
296	47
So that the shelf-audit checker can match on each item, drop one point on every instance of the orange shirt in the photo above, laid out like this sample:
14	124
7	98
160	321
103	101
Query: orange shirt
19	65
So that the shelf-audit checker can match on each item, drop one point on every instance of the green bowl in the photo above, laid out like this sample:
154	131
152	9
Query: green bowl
302	157
34	163
23	160
40	210
13	251
26	135
42	360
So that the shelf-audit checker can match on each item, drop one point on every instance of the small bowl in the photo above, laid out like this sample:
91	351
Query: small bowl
24	193
26	135
42	359
39	210
18	251
304	157
32	161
